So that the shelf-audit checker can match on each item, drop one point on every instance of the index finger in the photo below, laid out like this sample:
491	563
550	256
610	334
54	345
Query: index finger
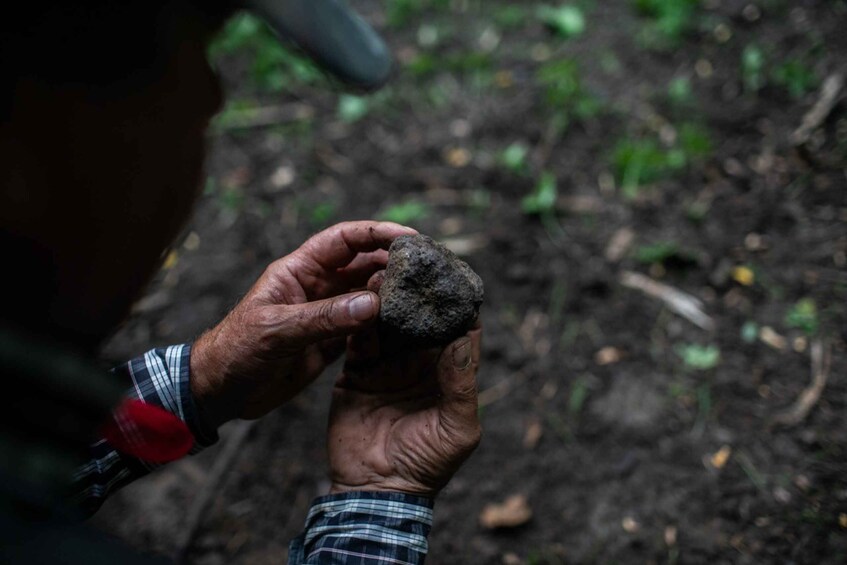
337	246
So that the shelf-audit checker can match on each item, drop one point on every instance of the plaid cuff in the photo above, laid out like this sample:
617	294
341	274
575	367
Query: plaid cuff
365	528
162	377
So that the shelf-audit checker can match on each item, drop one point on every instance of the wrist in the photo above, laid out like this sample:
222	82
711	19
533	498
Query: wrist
205	383
386	487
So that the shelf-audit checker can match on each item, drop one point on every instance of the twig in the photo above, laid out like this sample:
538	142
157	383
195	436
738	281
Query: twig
682	303
494	393
815	117
197	511
821	364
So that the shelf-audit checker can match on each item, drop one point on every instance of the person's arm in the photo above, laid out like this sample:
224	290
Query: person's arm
161	378
364	527
400	427
291	324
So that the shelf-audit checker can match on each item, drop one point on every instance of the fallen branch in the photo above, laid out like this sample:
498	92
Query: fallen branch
197	511
829	95
821	364
679	302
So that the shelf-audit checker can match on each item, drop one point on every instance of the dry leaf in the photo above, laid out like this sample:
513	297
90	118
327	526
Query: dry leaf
192	241
630	525
457	157
743	275
670	536
534	431
719	459
504	79
171	260
513	512
511	558
771	338
608	356
619	244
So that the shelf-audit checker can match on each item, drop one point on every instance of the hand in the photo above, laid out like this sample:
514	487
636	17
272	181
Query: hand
292	323
403	422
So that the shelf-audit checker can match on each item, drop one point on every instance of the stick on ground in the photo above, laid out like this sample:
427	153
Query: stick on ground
681	303
829	96
799	411
198	508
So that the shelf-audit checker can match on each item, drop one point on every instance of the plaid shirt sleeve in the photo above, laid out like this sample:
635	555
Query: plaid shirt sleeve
364	528
159	377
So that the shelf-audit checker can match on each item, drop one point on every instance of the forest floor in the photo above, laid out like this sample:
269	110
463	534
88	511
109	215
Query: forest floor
665	266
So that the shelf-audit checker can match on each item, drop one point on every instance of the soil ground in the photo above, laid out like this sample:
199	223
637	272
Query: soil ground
635	435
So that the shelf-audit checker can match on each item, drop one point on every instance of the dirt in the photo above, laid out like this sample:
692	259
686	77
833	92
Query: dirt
625	452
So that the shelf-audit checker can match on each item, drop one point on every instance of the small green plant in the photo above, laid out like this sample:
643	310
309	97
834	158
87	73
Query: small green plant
803	316
657	252
352	108
795	76
405	212
231	200
643	161
699	357
749	332
322	214
273	67
577	397
753	68
542	200
478	200
509	16
639	162
468	61
564	93
669	20
514	157
679	91
399	13
566	20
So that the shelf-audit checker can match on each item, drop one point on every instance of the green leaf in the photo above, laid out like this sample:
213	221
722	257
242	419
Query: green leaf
657	252
803	316
352	108
514	157
749	332
567	21
404	213
543	198
699	357
679	91
576	400
753	68
322	214
796	76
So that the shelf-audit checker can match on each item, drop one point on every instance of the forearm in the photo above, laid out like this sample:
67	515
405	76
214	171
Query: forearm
366	528
159	378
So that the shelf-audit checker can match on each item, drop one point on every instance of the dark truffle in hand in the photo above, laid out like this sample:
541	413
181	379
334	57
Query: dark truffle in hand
429	296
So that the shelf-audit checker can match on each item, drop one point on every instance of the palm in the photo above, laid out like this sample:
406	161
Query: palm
394	427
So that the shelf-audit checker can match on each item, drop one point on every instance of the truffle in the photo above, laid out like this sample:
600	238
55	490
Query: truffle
429	296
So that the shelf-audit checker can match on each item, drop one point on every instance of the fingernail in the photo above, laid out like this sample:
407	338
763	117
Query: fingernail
462	354
362	308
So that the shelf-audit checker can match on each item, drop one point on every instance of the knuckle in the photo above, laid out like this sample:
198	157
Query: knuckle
324	316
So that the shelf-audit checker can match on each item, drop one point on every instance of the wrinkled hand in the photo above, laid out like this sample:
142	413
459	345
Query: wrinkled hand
404	422
292	323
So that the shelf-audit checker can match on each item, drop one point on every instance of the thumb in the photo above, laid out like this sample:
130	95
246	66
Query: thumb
457	370
301	325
